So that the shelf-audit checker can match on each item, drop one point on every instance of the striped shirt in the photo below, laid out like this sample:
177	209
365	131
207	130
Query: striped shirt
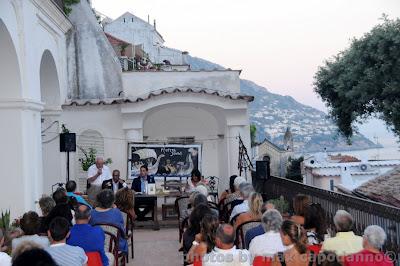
66	255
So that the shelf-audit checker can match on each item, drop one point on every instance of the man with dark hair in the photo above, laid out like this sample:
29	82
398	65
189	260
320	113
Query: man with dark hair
225	252
90	238
34	257
30	225
115	183
139	184
62	208
71	188
63	254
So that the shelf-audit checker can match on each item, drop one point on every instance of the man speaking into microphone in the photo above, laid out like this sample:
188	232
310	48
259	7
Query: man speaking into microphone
97	174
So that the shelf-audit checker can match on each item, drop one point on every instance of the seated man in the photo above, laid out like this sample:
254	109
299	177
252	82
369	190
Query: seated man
142	206
345	242
225	252
71	187
373	239
90	238
63	254
33	257
115	183
245	191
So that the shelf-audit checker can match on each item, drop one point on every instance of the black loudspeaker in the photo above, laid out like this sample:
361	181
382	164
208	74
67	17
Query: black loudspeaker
67	142
263	170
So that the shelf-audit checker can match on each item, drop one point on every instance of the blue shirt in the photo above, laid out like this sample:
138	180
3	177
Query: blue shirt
79	199
252	233
114	217
89	238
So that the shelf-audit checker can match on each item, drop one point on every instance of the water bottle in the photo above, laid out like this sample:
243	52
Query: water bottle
146	187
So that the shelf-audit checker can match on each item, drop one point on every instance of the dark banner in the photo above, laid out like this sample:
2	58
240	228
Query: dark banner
164	160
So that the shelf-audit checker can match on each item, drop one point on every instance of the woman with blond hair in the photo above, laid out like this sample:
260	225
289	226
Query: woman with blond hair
254	213
300	204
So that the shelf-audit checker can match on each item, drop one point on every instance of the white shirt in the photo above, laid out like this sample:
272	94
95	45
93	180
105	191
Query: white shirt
5	260
105	175
266	245
116	186
242	207
227	257
42	241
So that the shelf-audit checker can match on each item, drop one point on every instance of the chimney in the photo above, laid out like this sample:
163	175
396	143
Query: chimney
148	19
155	25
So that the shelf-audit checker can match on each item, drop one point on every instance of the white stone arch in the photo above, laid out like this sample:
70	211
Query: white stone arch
86	139
10	74
49	82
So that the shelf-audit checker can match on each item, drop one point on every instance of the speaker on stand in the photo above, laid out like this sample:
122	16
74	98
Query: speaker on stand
67	144
263	172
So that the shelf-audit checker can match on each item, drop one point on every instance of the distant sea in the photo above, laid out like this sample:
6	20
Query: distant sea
385	153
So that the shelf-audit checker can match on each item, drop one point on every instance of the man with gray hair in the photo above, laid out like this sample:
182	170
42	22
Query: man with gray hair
373	240
89	238
97	174
245	190
345	242
270	242
225	252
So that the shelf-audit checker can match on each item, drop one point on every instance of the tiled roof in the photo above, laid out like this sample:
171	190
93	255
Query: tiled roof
172	90
344	158
384	188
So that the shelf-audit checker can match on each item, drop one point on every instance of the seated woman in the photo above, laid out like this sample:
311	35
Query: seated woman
205	240
300	203
124	200
229	191
236	194
294	239
315	224
106	214
254	213
30	224
46	204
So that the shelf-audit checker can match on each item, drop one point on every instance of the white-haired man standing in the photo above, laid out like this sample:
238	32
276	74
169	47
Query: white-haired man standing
97	174
373	239
345	242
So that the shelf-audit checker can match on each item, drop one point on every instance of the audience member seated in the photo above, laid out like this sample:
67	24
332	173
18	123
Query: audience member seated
186	212
373	239
245	190
71	188
225	252
125	201
229	191
24	246
89	238
236	194
295	241
254	213
34	257
5	259
300	203
205	240
30	224
106	214
345	242
198	213
63	254
202	189
315	224
327	258
62	208
46	204
201	199
115	183
258	230
269	243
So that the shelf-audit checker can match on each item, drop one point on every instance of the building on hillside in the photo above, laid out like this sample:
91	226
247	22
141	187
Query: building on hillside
277	156
330	171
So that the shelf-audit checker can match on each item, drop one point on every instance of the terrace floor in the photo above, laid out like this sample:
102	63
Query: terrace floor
156	248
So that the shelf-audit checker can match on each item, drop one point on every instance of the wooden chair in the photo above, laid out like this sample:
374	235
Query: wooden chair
111	243
241	231
128	222
181	204
227	210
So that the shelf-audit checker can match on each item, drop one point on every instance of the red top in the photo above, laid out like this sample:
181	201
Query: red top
367	258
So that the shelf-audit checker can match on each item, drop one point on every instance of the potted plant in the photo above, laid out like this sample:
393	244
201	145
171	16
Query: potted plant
282	206
90	158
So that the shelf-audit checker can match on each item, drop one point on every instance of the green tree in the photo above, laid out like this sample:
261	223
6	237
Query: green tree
364	80
294	169
253	134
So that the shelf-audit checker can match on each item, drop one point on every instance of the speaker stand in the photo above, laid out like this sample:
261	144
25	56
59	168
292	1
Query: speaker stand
67	166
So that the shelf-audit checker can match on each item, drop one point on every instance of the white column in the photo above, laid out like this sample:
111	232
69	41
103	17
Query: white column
21	156
134	135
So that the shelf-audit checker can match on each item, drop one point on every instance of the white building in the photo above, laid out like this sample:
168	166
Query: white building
57	70
344	171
